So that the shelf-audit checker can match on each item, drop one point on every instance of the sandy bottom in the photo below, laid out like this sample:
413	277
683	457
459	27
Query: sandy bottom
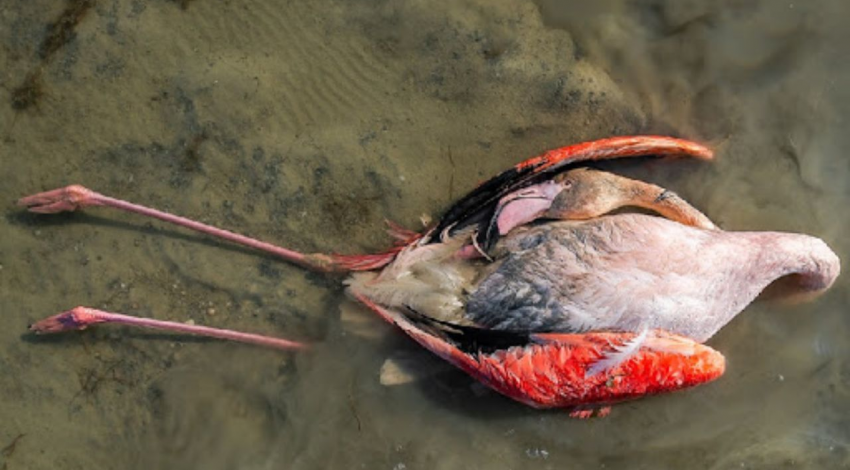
308	124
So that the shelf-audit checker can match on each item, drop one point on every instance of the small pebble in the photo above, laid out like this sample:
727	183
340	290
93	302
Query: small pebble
210	311
537	453
189	322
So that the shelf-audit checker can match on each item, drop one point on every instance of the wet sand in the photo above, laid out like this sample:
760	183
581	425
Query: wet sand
308	124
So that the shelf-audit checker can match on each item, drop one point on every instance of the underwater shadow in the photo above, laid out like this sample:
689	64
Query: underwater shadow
27	219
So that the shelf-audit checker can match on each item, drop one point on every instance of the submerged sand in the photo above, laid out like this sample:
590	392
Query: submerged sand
308	124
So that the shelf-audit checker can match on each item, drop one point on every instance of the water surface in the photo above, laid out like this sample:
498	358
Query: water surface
308	124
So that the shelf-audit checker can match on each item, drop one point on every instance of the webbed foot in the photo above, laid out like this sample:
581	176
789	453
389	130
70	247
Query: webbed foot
69	198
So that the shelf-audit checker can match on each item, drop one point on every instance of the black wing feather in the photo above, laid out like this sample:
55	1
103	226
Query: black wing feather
473	339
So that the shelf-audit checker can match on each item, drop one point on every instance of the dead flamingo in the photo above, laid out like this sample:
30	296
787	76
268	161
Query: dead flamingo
426	280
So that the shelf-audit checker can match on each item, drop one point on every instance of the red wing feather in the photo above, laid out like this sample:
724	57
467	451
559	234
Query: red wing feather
551	370
480	202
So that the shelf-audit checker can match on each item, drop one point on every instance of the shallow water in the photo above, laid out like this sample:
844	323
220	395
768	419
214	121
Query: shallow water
308	125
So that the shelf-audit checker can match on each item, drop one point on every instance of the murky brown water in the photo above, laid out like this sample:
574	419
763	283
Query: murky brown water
309	124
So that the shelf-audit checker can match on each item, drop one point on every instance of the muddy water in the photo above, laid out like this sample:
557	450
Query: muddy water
308	124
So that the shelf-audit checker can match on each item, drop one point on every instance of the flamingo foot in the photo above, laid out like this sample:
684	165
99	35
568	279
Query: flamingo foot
67	199
78	318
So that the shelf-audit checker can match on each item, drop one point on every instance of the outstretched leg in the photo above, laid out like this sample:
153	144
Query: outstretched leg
80	318
75	197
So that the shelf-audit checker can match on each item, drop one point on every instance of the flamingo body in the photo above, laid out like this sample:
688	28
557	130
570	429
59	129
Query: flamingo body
629	271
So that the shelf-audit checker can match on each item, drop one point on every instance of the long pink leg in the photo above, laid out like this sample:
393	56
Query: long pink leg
80	318
75	197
